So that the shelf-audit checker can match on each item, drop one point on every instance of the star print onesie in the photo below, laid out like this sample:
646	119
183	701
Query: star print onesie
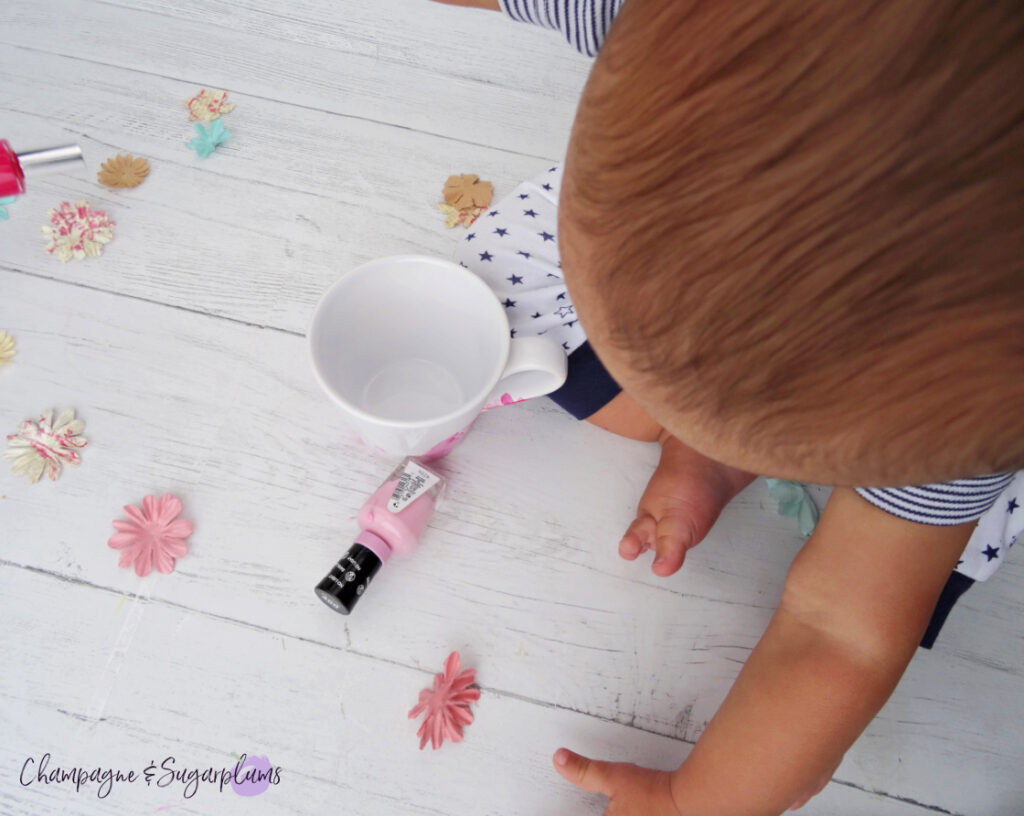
514	248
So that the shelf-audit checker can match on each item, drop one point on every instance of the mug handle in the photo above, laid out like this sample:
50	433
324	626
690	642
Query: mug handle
536	366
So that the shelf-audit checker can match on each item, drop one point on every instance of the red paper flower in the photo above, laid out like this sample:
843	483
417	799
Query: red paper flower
153	536
446	704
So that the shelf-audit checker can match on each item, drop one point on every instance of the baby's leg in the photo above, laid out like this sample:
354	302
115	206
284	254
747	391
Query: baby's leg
513	247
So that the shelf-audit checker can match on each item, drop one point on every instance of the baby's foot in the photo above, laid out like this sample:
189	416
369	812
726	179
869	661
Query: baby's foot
682	501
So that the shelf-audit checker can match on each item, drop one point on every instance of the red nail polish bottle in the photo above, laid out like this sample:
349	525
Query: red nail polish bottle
14	165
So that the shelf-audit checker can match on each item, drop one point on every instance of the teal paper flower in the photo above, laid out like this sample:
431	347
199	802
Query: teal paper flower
4	215
794	501
207	140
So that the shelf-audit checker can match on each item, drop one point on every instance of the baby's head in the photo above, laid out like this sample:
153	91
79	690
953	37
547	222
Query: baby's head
794	231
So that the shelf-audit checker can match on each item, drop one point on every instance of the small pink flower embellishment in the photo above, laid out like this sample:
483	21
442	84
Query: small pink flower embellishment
153	536
446	704
77	231
41	447
206	106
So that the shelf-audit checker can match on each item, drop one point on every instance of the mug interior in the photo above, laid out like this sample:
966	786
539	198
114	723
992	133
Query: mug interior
409	340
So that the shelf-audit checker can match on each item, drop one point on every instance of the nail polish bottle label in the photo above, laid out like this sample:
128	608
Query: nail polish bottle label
413	482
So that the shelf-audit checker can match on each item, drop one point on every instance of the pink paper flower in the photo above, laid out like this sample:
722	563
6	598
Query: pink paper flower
77	231
446	704
35	448
153	536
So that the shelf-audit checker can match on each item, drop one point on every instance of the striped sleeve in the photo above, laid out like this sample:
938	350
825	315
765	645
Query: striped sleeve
944	504
584	23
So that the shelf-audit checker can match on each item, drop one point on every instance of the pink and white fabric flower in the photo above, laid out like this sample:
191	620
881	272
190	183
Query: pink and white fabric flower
446	704
77	231
206	106
41	447
153	536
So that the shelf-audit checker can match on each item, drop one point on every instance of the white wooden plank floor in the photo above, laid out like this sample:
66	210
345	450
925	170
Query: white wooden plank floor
182	349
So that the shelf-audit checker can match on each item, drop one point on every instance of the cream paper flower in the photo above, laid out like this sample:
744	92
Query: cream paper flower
453	217
41	447
6	348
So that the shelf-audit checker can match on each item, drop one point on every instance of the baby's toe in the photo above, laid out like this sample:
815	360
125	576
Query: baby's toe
638	538
673	538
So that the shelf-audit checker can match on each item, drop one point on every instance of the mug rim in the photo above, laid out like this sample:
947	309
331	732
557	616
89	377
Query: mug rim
365	416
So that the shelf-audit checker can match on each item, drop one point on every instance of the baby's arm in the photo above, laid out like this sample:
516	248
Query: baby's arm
857	599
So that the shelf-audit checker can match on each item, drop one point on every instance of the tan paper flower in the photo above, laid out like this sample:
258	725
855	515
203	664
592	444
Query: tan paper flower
452	216
123	171
6	348
463	192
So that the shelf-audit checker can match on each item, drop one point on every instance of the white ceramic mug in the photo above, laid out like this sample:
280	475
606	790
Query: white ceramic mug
412	348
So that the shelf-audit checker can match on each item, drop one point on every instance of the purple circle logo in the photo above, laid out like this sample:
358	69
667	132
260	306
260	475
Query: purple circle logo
252	775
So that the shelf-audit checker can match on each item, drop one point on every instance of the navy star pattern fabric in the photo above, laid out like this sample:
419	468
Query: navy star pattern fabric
517	256
996	532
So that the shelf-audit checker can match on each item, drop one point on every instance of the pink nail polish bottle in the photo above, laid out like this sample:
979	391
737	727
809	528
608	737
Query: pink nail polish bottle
13	165
391	521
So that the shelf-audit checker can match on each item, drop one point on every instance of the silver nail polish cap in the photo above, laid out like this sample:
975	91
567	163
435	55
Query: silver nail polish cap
53	159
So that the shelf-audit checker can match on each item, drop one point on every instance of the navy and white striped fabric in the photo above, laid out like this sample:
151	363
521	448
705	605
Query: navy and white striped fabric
584	23
945	504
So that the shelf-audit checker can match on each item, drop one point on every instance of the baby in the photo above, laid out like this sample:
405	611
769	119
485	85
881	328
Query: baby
793	233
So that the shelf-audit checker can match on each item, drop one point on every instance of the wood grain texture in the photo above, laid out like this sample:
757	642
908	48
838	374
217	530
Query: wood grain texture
180	683
181	348
220	414
473	76
257	231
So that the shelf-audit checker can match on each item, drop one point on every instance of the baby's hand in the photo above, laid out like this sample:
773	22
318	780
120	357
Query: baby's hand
632	790
636	791
682	501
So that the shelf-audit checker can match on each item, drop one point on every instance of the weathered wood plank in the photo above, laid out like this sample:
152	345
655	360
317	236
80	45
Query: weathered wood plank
257	231
153	680
472	76
519	569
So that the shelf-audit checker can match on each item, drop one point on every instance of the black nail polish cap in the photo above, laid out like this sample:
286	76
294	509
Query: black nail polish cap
349	579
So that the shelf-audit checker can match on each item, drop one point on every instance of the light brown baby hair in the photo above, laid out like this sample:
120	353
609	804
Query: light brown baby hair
794	231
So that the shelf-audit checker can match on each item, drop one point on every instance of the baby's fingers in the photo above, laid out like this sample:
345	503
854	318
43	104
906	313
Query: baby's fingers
638	537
